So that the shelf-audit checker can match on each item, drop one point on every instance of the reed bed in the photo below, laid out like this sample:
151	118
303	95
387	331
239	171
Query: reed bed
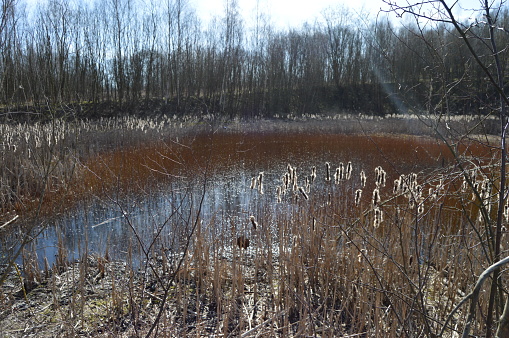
374	243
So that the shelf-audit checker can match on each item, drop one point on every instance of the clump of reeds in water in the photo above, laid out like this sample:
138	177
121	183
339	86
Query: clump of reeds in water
407	186
340	173
257	182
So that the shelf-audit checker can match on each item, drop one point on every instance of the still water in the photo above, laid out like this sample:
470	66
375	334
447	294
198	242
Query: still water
118	225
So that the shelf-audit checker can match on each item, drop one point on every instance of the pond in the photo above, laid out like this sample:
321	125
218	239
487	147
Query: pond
217	183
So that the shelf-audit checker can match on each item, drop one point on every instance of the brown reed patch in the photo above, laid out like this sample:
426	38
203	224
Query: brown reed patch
323	267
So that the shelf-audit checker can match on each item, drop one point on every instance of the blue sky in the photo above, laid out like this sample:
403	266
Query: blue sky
285	13
293	13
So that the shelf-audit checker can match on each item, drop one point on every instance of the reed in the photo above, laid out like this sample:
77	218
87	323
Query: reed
328	260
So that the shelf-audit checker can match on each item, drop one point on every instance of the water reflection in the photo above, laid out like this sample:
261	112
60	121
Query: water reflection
116	225
108	225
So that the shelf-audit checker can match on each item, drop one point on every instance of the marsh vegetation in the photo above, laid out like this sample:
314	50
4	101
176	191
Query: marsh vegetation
205	227
160	178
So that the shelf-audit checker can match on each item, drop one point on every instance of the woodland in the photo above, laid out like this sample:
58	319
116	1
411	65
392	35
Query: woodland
104	58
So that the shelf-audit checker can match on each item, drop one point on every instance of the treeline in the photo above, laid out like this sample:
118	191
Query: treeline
132	53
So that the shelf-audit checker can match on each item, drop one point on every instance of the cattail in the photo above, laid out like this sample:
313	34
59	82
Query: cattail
295	187
327	171
253	183
291	174
418	191
464	186
243	242
260	182
348	174
402	188
376	197
420	209
395	189
308	185
358	195
341	171
260	177
476	187
278	194
379	177
337	176
382	177
412	181
313	174
303	193
485	189
253	222
432	194
363	179
378	218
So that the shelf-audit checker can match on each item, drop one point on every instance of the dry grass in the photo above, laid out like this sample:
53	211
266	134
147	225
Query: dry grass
317	264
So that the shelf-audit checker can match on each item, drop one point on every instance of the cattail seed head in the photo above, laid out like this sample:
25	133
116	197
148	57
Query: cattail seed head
378	217
313	174
260	182
420	209
253	222
286	181
348	173
260	177
376	197
363	179
380	176
395	189
358	195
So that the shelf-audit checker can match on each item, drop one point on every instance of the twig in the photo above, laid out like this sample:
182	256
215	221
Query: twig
474	295
247	333
9	222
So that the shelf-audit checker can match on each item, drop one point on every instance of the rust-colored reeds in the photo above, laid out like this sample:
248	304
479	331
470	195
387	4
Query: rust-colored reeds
325	260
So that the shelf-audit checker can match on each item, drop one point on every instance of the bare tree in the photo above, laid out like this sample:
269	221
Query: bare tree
481	37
